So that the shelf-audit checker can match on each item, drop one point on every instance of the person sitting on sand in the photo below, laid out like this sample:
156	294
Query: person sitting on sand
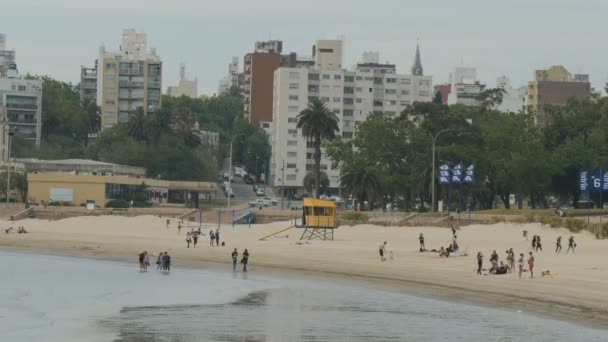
8	230
22	230
443	252
502	269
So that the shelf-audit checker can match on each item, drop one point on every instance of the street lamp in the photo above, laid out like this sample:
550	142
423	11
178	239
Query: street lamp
230	169
282	183
11	132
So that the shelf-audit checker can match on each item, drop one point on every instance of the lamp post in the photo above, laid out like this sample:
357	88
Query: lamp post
230	170
282	183
11	132
255	181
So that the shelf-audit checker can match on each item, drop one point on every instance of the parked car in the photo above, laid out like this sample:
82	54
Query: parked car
263	201
248	179
260	192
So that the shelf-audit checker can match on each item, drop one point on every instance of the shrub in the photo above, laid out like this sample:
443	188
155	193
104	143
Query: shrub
423	209
498	219
60	204
575	225
117	204
553	222
141	204
354	216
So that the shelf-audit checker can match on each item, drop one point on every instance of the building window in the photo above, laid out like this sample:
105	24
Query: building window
378	80
123	117
292	154
109	90
326	76
290	177
110	78
294	86
309	155
391	80
337	77
405	92
291	166
313	88
347	135
349	79
390	113
109	114
293	97
424	93
359	78
110	102
405	103
292	109
294	75
378	91
313	77
292	143
349	90
348	112
358	100
377	103
348	101
292	120
21	88
390	91
292	131
424	82
336	111
336	99
406	81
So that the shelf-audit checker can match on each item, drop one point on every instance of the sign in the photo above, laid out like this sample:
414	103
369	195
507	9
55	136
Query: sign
596	180
583	182
444	174
605	182
61	194
469	174
456	174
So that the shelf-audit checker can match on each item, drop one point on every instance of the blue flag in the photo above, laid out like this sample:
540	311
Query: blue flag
444	174
583	183
605	182
457	174
596	180
469	174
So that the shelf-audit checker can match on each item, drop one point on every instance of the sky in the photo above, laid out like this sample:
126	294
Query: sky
506	37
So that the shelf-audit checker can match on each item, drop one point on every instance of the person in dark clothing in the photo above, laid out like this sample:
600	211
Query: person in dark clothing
217	238
538	244
534	242
571	245
235	256
211	238
558	245
188	239
479	262
195	238
166	262
159	261
245	260
142	255
422	246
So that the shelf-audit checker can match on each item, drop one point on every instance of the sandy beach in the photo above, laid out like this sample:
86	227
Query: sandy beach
576	291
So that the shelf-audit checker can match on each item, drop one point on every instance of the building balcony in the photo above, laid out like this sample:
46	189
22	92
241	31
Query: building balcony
19	106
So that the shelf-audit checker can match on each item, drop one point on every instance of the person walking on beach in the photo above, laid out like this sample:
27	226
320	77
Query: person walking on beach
217	238
531	265
235	257
512	260
188	239
159	261
141	260
179	228
479	262
195	238
538	244
534	242
422	246
571	245
558	245
520	263
166	262
146	261
382	251
211	237
168	223
245	260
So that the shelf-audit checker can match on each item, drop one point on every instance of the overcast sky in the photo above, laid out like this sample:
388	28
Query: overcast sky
506	37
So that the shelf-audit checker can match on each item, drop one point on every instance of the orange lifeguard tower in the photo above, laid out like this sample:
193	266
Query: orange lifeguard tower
318	219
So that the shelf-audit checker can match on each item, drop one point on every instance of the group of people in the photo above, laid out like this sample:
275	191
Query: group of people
244	259
162	263
214	237
20	230
192	237
571	245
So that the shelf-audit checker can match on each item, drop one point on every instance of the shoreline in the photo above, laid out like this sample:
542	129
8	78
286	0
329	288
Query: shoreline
579	315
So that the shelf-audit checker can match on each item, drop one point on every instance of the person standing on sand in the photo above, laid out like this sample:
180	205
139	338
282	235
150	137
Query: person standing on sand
168	223
235	257
146	261
520	263
534	242
571	244
179	228
382	251
558	245
531	265
245	260
159	261
422	246
217	238
141	260
211	237
538	244
512	264
479	262
188	239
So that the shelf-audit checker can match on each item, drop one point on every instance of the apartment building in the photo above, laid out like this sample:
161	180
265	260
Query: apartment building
350	94
20	98
513	99
88	83
128	79
555	86
234	79
464	87
185	87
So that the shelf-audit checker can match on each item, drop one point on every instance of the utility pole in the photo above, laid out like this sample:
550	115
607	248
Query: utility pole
282	184
229	193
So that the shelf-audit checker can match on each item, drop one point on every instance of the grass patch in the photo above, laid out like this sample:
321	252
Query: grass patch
354	216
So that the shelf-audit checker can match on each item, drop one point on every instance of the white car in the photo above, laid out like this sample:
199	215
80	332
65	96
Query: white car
260	192
263	201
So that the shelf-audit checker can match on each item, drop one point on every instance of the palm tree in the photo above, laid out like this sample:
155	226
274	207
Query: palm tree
94	114
136	126
318	123
309	181
360	181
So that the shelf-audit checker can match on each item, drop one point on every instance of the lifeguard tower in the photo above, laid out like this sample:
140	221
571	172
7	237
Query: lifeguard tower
318	219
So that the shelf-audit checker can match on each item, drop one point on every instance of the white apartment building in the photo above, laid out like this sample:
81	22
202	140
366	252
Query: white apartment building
351	95
513	99
464	87
185	86
232	79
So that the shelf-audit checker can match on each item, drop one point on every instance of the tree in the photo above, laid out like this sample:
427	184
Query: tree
183	123
318	124
438	98
233	91
309	181
93	113
137	124
490	99
361	181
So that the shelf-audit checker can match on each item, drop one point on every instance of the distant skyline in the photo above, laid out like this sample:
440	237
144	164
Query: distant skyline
512	38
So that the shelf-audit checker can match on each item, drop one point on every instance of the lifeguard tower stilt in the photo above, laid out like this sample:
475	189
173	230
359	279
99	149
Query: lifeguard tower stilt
318	219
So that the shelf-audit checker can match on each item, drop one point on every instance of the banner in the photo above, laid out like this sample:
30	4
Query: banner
457	174
583	182
605	182
444	174
596	180
469	174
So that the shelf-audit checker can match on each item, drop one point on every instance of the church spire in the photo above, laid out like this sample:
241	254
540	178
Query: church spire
417	67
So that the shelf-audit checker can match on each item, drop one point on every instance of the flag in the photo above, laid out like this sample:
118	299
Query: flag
583	183
457	174
469	174
444	174
596	180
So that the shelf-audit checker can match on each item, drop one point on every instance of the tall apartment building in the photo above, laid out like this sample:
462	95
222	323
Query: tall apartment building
185	87
555	86
351	95
464	87
128	79
234	79
21	98
88	83
513	99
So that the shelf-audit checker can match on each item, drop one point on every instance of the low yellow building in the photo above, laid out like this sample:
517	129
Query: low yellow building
81	189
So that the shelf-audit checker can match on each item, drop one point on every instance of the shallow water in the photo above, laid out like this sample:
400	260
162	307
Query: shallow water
48	298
